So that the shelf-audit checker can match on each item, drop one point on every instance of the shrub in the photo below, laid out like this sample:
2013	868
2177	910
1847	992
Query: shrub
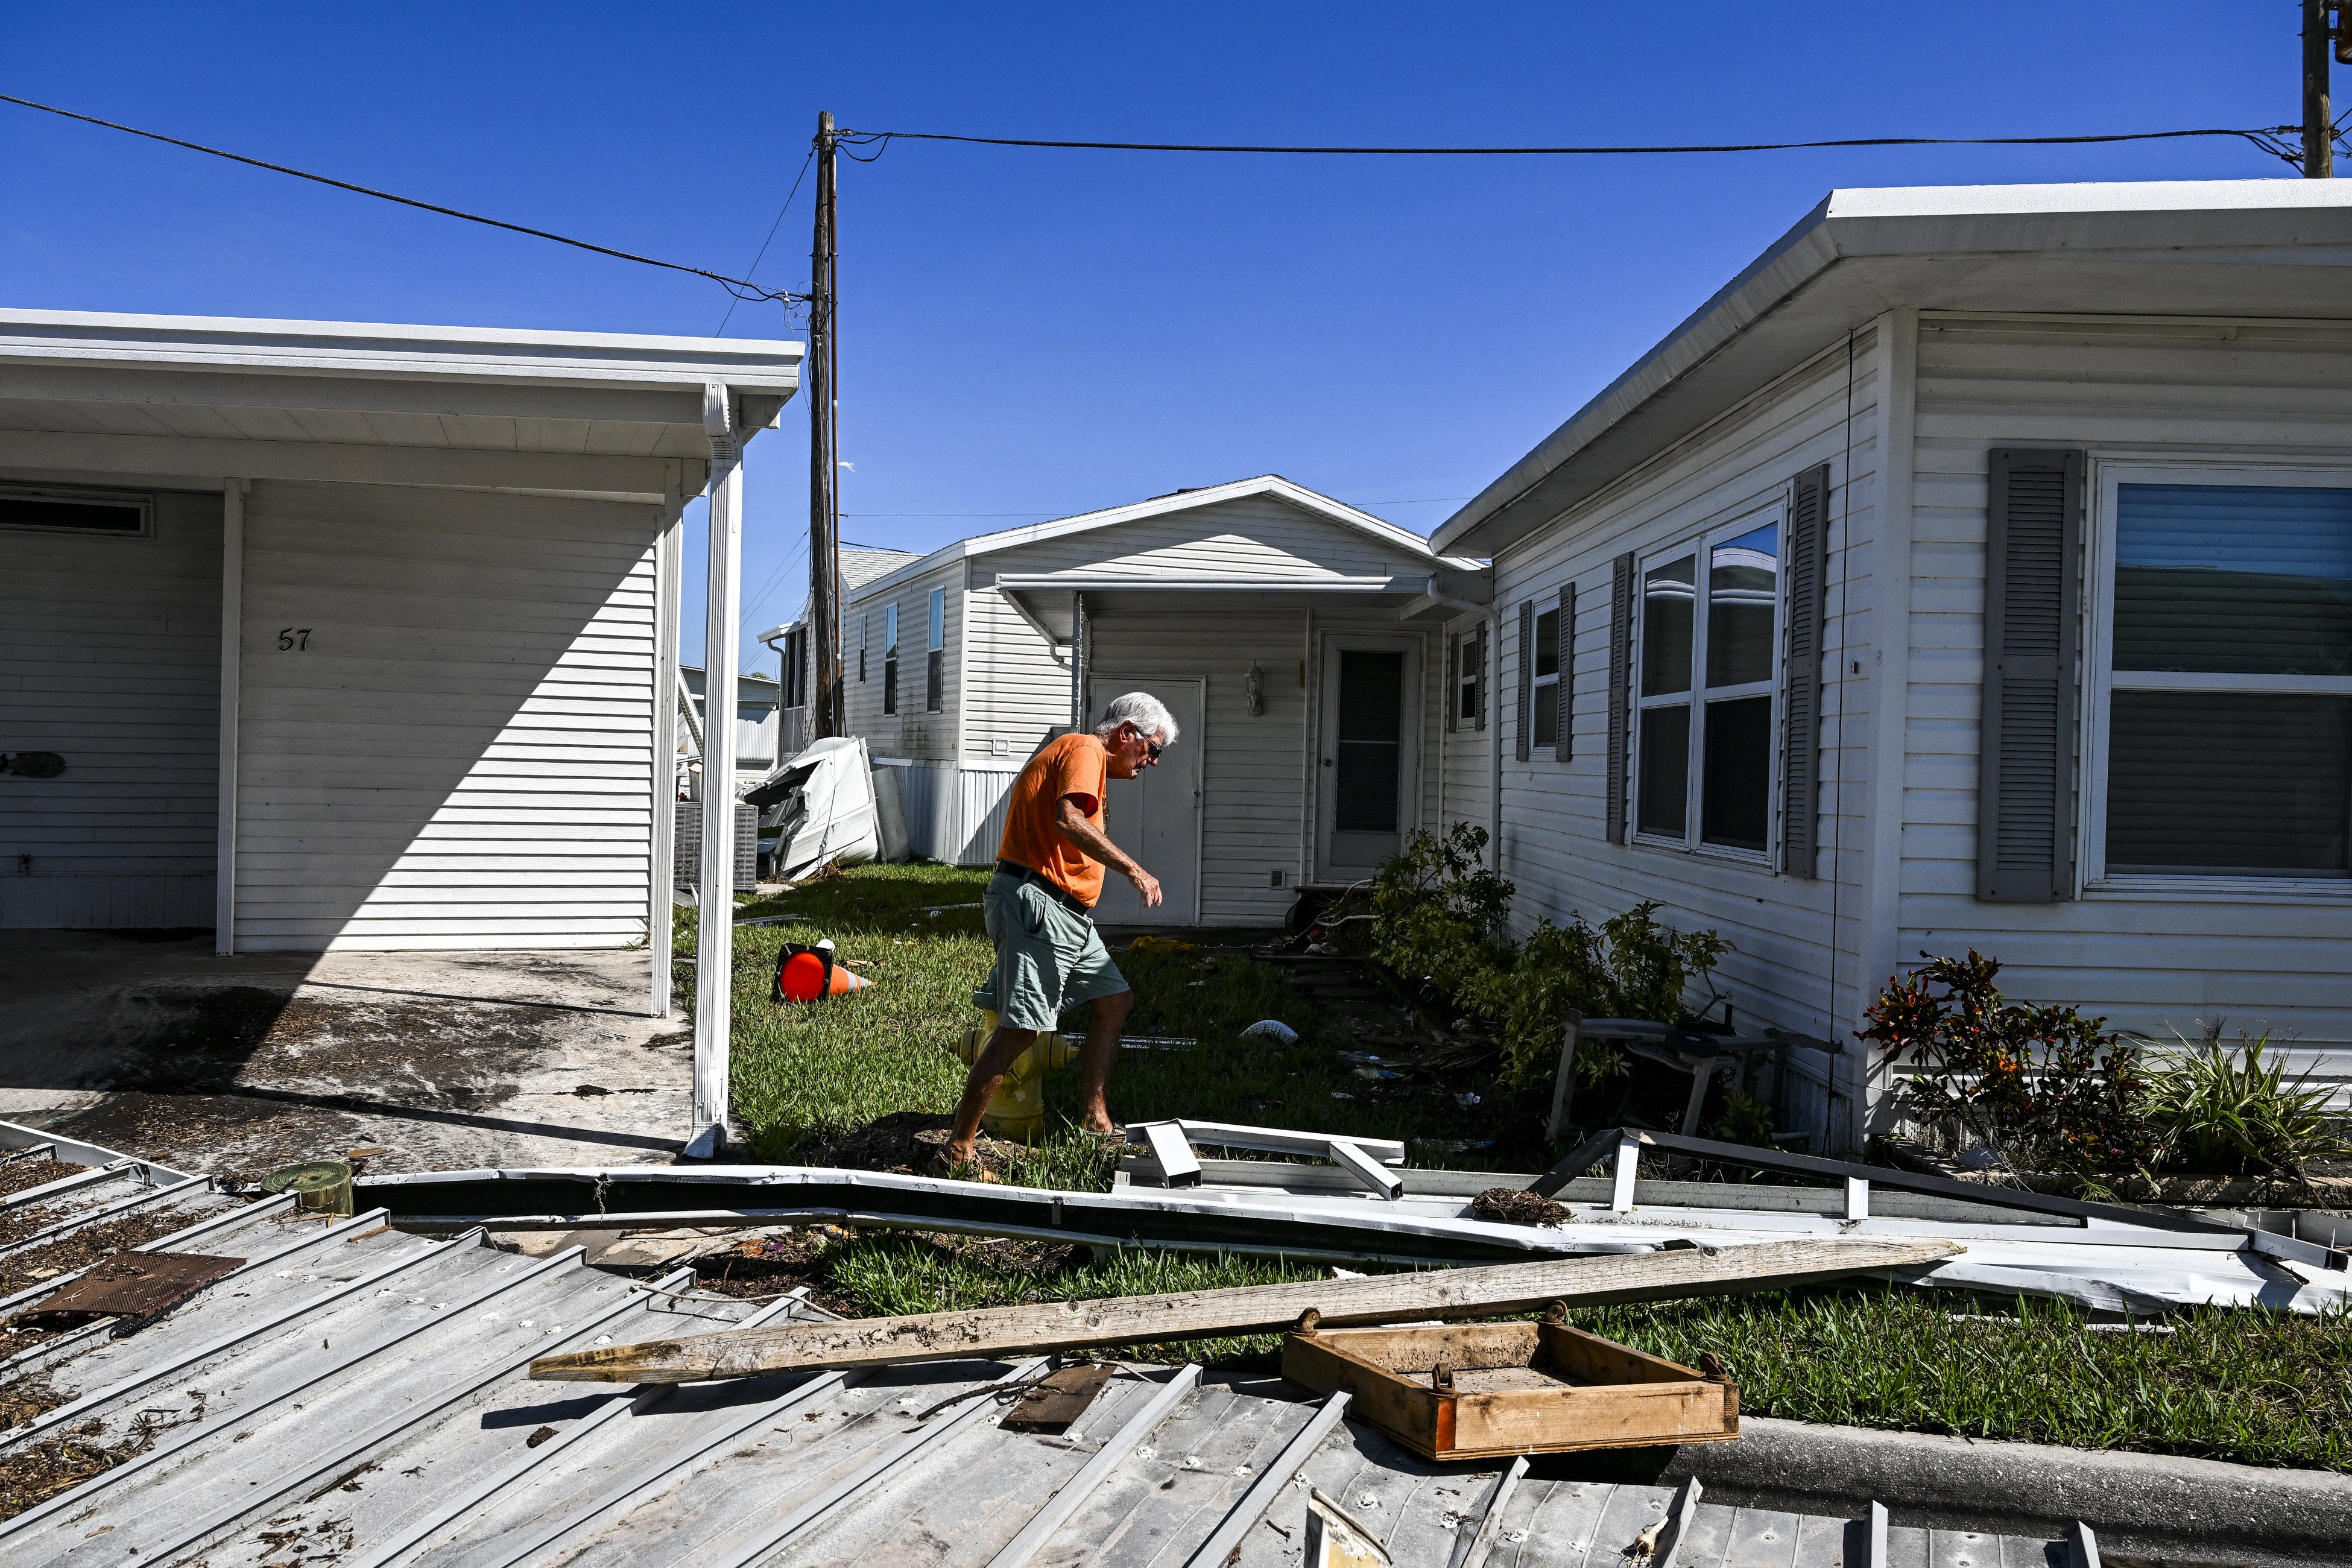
1438	912
2226	1110
2043	1086
1438	917
1629	966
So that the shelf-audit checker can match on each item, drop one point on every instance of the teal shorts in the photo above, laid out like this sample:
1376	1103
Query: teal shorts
1047	957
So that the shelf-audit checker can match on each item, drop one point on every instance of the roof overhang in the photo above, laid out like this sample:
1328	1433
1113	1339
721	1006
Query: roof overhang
591	413
2240	249
1048	602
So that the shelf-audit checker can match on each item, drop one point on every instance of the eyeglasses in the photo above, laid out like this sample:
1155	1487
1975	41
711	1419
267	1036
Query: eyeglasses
1151	750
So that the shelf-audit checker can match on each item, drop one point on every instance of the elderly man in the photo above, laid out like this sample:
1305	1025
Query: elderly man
1049	873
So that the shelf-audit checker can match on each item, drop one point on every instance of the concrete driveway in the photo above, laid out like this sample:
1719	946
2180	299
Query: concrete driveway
151	1044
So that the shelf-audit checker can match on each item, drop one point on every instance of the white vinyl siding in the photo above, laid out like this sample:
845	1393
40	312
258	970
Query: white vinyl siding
1555	846
2137	392
1256	537
109	656
1017	685
462	757
1466	756
913	732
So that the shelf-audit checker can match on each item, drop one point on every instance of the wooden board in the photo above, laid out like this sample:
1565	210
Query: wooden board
1059	1400
1512	1388
1494	1291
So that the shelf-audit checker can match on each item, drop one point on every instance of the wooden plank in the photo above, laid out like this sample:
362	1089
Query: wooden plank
1494	1291
1059	1400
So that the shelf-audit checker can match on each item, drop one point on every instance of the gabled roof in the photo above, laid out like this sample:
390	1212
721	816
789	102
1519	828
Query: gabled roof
2277	249
1297	495
860	564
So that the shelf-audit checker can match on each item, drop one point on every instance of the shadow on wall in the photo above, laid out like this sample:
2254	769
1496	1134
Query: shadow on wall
446	720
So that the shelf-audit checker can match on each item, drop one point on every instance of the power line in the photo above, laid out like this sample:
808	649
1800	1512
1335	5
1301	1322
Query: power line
738	286
2257	136
772	227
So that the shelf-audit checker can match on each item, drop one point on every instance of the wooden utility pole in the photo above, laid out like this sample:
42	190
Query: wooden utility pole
2318	122
824	471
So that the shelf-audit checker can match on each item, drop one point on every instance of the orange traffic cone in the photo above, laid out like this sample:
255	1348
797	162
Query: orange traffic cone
809	973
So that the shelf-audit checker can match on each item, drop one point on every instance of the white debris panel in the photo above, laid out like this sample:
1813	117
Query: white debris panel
829	817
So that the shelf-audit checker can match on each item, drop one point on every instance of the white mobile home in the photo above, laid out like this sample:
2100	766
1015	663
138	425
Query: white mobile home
1297	639
1973	571
335	636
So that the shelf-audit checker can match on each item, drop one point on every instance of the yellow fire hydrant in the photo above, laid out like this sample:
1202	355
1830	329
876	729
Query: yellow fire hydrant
1017	1110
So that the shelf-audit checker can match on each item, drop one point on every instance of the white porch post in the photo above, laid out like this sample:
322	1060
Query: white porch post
232	647
715	901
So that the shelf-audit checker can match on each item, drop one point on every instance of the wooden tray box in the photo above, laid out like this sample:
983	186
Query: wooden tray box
1483	1391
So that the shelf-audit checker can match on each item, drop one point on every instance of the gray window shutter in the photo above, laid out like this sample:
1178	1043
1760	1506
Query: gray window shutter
1453	682
1478	662
1562	746
1801	738
1621	682
2034	595
1526	674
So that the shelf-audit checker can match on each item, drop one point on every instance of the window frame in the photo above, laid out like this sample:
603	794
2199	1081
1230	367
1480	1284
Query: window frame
1557	682
2108	475
863	633
890	659
1698	694
935	655
1470	679
143	501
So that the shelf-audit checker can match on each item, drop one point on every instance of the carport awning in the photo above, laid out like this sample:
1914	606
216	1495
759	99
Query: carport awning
1049	602
602	415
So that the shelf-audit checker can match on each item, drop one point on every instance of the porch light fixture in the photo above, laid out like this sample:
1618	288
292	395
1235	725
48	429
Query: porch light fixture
1253	686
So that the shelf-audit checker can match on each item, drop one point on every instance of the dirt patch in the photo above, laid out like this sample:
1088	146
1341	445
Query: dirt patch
1509	1206
23	1174
80	1248
772	1264
904	1142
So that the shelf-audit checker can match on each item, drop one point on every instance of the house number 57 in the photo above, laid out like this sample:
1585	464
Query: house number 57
294	639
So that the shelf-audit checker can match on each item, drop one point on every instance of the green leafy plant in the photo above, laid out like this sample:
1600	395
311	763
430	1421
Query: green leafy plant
1629	966
2232	1110
1438	913
2045	1087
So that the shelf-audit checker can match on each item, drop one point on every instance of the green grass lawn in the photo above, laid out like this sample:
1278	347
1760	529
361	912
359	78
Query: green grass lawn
2253	1387
805	1073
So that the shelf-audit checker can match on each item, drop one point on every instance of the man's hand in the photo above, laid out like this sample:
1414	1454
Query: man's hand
1096	844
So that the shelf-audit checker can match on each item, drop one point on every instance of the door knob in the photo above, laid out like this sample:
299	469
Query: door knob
1327	761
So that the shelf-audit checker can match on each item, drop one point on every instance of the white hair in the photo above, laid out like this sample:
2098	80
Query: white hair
1145	712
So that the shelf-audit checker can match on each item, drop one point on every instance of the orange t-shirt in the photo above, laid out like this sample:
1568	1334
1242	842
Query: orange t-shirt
1077	766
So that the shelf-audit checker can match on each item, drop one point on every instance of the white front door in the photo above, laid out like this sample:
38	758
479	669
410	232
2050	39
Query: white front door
1367	747
1156	815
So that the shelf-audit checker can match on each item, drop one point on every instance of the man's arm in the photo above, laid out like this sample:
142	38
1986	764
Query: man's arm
1076	827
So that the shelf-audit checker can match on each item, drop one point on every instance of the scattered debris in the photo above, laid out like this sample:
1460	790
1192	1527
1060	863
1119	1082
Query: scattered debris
1509	1206
1053	1403
1161	944
1334	1539
1273	1029
322	1186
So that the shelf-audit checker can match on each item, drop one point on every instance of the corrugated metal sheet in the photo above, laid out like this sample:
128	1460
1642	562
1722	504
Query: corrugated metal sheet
356	1395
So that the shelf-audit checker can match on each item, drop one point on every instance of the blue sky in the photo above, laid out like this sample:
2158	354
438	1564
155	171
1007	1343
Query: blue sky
1030	334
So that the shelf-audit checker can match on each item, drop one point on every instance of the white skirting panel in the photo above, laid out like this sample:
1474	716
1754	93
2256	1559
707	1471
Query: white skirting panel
120	903
955	816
